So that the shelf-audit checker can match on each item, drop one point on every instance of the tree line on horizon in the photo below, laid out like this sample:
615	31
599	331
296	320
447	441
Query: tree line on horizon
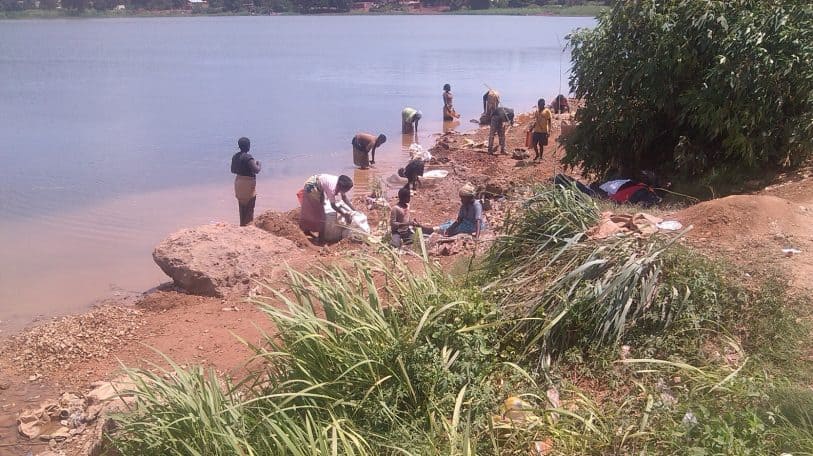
270	6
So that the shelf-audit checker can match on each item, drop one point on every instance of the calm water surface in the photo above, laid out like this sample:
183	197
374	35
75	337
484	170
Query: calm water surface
115	132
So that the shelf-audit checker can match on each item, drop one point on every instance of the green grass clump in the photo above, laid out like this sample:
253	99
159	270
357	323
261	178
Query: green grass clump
618	346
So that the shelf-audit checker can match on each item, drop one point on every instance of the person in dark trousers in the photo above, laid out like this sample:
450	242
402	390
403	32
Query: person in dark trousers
245	169
499	117
412	173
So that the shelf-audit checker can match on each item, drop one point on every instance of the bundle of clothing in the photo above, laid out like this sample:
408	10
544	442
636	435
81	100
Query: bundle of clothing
621	191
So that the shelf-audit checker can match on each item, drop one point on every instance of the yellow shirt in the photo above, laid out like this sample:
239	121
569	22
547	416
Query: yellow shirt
542	121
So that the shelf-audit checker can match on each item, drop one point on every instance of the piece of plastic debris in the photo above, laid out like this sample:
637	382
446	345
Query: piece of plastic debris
670	225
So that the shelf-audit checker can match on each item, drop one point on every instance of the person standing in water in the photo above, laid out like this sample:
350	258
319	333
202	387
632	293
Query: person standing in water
245	169
409	120
364	145
449	113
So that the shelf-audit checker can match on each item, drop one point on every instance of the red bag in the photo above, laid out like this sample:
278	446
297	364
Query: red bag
528	136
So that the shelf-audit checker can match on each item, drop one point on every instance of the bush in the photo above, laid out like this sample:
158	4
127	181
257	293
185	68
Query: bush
689	87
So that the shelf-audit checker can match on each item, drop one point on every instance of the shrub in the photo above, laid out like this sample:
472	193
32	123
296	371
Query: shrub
690	87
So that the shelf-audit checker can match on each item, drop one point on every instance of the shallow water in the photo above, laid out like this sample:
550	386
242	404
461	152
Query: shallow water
115	132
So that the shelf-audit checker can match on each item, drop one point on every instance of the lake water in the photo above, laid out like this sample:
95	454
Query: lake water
116	132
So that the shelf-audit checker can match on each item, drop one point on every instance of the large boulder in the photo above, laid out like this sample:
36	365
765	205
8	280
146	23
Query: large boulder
217	259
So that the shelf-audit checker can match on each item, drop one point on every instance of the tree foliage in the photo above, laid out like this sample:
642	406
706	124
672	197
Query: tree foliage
694	86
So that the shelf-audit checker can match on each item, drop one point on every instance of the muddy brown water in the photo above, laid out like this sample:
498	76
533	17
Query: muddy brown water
116	132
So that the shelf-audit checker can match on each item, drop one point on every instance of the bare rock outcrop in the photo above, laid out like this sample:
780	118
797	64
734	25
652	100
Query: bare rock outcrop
217	259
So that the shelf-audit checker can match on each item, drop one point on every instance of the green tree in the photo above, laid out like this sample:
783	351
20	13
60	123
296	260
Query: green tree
479	4
694	86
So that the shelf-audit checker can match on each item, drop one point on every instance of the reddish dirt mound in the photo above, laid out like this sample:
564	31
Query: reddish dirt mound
285	225
753	230
740	216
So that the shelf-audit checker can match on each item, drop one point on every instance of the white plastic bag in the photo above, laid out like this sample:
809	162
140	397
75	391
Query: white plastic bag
417	151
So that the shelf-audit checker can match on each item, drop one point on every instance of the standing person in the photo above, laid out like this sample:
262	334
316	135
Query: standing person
316	189
401	224
449	113
409	120
245	169
499	117
491	101
469	218
541	128
412	173
364	145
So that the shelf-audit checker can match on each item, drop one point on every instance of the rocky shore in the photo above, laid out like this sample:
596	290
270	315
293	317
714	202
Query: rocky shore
195	319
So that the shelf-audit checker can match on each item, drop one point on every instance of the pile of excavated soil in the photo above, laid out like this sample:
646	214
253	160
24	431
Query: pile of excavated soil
284	225
735	218
755	231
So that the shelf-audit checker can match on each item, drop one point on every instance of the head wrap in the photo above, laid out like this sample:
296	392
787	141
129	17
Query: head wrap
467	190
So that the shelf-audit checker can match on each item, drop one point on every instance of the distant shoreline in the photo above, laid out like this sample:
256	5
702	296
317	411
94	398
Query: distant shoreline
572	11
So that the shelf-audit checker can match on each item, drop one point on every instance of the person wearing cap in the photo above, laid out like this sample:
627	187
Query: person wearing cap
401	224
469	218
412	173
364	146
245	169
316	190
499	118
449	114
409	120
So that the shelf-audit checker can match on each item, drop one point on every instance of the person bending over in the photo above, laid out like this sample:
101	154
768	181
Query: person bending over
364	146
317	189
409	120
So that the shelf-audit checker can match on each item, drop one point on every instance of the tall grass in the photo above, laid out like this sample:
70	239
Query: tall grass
381	357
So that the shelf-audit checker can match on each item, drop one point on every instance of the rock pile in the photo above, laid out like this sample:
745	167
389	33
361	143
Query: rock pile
73	339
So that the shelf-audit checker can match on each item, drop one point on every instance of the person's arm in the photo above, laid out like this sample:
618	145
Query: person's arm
416	126
372	153
485	97
254	165
550	124
347	201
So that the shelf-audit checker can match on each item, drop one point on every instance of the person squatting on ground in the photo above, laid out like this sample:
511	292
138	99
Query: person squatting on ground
412	173
499	118
449	114
401	223
364	146
245	169
560	104
541	128
409	120
312	198
469	218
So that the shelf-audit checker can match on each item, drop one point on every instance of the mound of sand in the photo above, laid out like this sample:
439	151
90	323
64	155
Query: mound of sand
741	217
284	225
